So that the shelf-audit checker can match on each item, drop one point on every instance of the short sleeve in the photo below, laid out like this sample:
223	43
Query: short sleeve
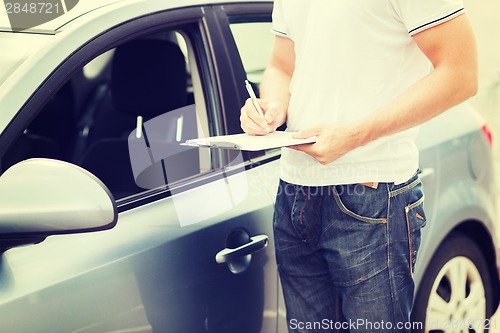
279	27
419	15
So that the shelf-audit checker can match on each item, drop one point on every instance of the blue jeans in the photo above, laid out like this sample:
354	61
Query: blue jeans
346	255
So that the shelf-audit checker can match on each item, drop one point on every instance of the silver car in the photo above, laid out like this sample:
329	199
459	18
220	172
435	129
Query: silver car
108	224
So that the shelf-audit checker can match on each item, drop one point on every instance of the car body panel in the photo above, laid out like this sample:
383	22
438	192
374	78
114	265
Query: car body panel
85	7
115	274
451	198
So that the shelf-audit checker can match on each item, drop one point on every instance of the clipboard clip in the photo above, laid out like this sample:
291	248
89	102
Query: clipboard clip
212	144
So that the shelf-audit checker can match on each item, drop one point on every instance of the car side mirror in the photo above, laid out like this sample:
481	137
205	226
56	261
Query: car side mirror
42	197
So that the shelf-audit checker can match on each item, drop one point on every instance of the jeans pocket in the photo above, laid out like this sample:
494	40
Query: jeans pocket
362	203
415	219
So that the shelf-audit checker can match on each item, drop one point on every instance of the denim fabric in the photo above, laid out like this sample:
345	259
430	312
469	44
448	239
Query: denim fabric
346	255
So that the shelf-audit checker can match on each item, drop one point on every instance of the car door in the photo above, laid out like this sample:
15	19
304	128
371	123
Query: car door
247	30
192	250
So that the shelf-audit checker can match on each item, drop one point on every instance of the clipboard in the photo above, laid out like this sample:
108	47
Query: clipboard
244	141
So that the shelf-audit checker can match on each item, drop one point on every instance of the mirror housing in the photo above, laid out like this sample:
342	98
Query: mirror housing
42	197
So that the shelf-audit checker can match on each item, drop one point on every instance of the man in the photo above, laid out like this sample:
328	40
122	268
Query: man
357	75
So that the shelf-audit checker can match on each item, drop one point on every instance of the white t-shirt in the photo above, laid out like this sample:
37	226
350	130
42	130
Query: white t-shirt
352	58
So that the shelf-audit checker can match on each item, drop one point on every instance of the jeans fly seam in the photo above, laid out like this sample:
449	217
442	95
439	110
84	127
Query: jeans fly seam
387	227
389	264
303	205
292	211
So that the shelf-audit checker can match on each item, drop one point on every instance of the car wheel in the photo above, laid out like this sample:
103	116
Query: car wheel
455	294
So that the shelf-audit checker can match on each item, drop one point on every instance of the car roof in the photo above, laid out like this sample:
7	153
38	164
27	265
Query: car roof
86	6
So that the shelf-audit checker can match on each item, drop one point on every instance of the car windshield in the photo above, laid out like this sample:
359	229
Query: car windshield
16	49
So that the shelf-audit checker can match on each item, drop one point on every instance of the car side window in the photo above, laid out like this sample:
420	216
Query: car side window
254	41
253	37
124	114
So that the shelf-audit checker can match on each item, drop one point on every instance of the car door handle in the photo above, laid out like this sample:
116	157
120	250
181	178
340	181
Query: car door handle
256	243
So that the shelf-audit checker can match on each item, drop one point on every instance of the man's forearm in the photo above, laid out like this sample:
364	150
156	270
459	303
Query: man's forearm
451	48
434	94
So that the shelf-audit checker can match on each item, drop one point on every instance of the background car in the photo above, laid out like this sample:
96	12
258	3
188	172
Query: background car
114	87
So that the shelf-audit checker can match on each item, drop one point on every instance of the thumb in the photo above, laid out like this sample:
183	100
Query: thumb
273	112
307	133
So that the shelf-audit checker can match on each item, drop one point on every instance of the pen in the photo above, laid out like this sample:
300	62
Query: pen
253	97
254	100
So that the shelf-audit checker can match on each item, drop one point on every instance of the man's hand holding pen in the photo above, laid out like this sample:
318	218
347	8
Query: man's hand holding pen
253	123
260	116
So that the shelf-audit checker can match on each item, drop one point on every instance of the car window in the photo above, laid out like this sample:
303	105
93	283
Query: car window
124	114
254	42
98	65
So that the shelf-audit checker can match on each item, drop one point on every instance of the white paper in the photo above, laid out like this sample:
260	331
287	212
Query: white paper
250	142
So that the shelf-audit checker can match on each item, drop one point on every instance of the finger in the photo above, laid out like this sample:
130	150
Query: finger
249	126
249	115
310	149
254	115
272	118
307	133
270	111
274	114
306	148
254	130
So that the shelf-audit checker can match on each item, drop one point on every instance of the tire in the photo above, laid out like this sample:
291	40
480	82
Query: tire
456	292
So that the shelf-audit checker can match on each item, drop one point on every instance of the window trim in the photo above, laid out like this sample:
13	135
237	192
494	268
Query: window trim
221	17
